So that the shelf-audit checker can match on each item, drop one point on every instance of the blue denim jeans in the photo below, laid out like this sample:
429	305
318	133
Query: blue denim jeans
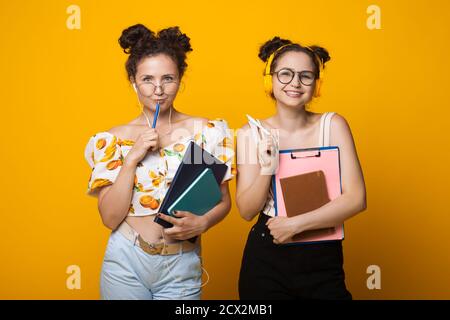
128	272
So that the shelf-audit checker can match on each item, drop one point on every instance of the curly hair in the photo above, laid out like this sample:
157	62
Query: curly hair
139	42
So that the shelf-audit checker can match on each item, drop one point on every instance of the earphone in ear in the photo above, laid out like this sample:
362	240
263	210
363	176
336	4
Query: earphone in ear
134	87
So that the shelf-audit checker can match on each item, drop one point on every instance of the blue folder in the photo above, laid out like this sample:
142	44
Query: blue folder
201	196
194	162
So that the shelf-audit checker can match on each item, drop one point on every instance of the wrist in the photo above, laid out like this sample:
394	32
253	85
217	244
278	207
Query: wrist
267	171
205	223
129	163
299	223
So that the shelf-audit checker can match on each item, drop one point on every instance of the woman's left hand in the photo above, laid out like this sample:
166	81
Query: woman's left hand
185	226
282	229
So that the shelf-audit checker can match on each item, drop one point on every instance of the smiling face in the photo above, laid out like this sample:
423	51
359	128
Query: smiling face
295	93
157	80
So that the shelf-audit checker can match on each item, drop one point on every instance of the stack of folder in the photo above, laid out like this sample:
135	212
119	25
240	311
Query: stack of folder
195	186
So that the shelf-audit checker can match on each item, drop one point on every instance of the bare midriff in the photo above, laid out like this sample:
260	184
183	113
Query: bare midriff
149	230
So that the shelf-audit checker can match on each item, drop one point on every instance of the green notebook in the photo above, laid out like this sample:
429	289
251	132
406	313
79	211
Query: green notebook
201	196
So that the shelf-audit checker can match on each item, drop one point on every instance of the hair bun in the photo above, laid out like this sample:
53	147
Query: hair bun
133	36
174	37
322	53
271	46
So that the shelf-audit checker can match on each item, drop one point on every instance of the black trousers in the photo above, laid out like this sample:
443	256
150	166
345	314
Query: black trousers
297	271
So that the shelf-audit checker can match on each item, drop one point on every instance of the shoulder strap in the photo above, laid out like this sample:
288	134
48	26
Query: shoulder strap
324	129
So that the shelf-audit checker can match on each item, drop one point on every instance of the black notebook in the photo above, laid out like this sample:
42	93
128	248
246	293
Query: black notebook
194	162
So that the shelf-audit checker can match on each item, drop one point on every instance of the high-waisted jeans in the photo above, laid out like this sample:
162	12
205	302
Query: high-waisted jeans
128	272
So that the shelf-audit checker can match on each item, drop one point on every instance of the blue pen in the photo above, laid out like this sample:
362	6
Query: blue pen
156	115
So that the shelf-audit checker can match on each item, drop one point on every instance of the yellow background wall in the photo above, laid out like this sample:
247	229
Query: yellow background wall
60	86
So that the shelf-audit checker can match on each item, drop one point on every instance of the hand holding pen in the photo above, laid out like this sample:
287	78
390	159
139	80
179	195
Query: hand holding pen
267	146
147	141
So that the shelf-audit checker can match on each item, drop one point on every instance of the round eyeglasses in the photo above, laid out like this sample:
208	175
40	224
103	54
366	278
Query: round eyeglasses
168	86
286	75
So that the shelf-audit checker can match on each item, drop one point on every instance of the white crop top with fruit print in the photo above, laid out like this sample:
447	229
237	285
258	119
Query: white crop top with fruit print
105	153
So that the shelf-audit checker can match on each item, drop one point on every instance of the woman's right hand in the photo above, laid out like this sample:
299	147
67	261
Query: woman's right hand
147	141
268	152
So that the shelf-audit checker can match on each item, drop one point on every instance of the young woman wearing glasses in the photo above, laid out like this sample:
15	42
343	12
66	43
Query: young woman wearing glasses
270	268
133	166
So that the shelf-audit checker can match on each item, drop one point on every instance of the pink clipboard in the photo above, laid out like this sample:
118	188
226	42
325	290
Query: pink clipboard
298	161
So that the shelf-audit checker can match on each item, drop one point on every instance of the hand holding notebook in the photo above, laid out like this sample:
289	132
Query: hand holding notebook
304	193
306	180
195	161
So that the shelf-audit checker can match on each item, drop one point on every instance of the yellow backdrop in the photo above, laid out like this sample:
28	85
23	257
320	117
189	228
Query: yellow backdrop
62	82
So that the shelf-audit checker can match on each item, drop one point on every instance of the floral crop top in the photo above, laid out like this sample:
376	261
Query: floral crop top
105	153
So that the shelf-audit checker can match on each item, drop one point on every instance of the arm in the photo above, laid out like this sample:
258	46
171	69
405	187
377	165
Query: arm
188	225
252	186
334	213
114	200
